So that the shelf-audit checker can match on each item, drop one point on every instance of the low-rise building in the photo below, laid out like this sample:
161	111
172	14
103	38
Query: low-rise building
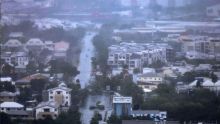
35	45
10	106
45	109
60	50
6	96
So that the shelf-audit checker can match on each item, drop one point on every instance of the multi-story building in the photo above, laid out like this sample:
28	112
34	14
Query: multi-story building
213	11
61	95
200	47
135	55
122	106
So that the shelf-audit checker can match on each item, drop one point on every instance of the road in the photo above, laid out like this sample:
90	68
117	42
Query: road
85	65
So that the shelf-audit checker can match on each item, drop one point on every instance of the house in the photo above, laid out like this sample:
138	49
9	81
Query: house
61	95
122	106
35	45
45	109
6	96
213	11
25	82
13	45
10	106
149	81
60	49
14	110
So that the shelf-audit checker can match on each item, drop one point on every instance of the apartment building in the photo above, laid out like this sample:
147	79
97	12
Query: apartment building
135	55
200	47
61	95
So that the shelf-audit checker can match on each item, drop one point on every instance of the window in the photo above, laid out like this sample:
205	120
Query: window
67	97
58	92
46	110
51	97
51	92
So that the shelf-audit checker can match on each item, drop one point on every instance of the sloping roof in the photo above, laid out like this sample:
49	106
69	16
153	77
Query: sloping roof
11	105
6	93
208	83
194	83
34	42
48	103
27	79
217	83
13	43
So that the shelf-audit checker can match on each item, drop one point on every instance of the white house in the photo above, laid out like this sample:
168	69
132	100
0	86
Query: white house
35	44
61	95
10	106
45	109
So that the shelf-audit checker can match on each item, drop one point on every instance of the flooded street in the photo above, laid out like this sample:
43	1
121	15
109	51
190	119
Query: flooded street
87	53
87	114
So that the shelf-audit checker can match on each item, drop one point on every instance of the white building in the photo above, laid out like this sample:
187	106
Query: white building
16	59
149	81
35	44
213	11
10	106
45	109
61	95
